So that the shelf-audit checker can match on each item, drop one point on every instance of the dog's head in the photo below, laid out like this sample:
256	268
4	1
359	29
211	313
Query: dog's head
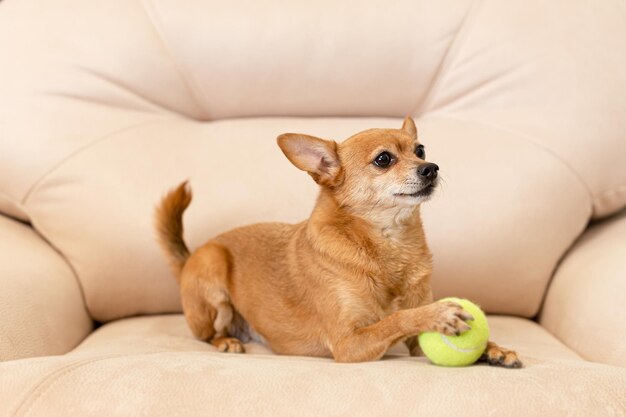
377	169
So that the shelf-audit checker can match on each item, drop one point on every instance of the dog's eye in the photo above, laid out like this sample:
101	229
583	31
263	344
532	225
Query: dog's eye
383	160
420	152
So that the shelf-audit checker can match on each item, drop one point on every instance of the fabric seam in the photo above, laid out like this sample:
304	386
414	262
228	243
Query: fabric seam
154	22
62	162
455	44
527	139
37	228
53	378
43	385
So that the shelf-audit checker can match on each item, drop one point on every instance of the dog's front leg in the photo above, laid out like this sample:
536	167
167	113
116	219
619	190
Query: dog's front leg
371	342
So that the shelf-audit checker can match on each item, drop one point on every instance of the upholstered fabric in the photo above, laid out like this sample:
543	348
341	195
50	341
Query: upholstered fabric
96	127
152	366
550	72
584	306
41	306
106	104
97	207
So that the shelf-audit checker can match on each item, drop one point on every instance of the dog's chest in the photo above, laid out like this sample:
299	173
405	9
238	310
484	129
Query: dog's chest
393	289
400	282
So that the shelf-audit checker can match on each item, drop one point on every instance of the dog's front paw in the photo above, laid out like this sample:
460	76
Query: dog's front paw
448	318
228	344
498	356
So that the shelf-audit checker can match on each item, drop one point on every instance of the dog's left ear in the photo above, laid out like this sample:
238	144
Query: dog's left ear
316	156
409	127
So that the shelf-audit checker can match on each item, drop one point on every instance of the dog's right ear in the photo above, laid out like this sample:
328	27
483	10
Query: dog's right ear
316	156
409	127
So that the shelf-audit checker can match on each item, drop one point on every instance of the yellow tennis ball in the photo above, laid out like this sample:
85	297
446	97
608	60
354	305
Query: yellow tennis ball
460	350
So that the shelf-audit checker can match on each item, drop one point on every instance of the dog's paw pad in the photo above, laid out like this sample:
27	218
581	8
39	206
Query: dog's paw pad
229	345
497	356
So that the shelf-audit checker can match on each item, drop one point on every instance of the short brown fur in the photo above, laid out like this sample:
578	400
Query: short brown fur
347	283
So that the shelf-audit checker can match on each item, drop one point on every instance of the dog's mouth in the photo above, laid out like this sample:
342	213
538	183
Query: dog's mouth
423	192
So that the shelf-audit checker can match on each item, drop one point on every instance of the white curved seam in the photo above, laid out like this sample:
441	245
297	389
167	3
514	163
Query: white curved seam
452	346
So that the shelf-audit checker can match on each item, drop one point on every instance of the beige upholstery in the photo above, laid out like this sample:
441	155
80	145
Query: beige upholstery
106	104
584	306
41	306
152	366
543	71
102	222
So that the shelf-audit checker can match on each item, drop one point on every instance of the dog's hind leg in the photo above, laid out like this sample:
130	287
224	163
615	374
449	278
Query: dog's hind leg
205	298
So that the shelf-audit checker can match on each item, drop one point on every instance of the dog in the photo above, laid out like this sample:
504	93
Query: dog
348	283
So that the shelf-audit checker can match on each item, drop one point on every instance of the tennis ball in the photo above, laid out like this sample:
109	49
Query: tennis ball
460	350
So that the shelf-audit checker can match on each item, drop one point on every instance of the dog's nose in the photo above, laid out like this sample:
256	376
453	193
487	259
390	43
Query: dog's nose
428	171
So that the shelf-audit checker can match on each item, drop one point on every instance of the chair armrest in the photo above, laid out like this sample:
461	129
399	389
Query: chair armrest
41	307
584	305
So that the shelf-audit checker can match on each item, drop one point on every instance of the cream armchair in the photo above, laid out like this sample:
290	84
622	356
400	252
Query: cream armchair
104	105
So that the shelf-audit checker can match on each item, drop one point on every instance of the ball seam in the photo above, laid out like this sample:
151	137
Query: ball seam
451	345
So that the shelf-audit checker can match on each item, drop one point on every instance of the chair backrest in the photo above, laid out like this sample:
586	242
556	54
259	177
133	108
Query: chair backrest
106	104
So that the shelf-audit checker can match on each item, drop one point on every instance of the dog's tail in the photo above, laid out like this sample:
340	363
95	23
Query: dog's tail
169	226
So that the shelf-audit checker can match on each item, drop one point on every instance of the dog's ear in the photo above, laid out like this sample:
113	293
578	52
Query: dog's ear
409	127
316	156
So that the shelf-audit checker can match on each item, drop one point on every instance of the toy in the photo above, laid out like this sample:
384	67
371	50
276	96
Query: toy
460	350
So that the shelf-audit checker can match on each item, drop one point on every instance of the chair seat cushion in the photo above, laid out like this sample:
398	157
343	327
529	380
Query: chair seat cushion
152	366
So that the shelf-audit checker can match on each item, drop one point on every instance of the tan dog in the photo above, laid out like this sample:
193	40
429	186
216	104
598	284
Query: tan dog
349	282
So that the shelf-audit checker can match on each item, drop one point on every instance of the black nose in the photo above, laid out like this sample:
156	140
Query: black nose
428	171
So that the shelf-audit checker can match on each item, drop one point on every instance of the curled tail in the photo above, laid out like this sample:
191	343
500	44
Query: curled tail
169	226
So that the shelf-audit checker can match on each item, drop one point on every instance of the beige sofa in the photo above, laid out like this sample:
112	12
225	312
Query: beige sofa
105	104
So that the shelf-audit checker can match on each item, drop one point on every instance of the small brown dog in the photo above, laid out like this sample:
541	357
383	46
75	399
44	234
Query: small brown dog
349	282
